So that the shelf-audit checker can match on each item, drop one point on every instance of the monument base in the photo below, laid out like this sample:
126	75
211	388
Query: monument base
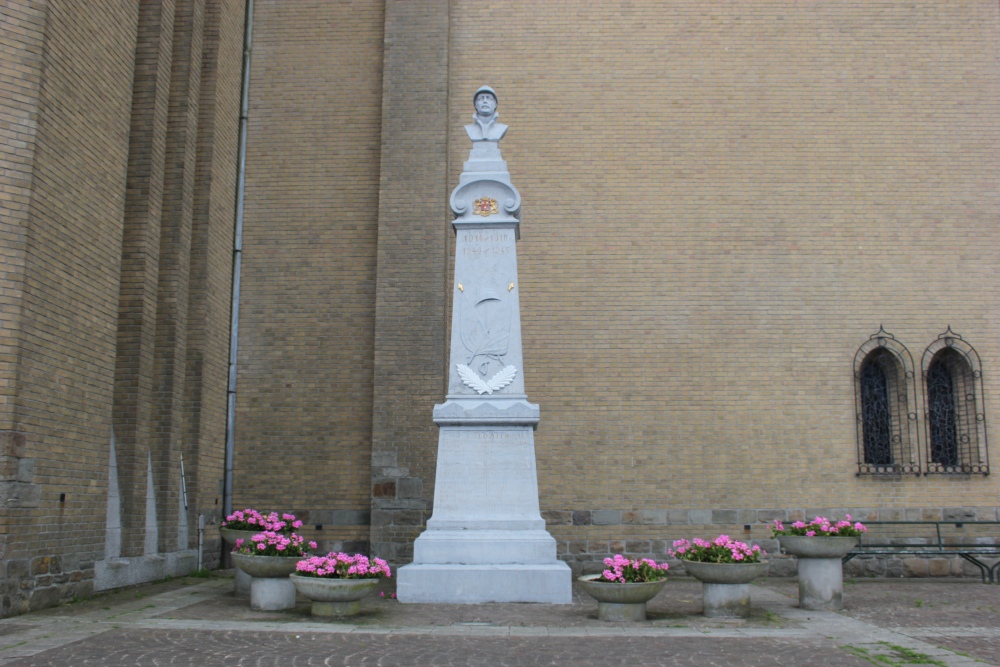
455	583
486	541
485	547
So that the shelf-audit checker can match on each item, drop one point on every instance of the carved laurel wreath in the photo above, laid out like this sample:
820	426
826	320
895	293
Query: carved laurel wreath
472	380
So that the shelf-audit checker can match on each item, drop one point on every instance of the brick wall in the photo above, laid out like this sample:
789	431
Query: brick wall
177	271
140	265
210	275
721	203
22	38
304	386
410	333
170	346
67	307
106	124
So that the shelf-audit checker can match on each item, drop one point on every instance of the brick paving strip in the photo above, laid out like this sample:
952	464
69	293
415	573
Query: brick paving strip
36	633
142	631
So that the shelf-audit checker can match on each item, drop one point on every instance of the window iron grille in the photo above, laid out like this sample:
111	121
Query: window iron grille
884	387
955	409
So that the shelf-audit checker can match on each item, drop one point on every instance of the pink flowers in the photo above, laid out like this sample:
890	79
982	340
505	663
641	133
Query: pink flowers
251	519
722	549
336	565
270	543
625	571
821	526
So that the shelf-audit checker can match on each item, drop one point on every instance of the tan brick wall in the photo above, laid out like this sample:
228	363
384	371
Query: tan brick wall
177	265
210	287
95	146
721	202
22	39
140	264
69	304
410	366
304	386
170	347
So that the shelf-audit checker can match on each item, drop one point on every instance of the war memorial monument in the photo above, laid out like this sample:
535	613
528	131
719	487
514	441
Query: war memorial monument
486	540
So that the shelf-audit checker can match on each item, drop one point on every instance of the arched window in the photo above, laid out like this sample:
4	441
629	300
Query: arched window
884	383
956	421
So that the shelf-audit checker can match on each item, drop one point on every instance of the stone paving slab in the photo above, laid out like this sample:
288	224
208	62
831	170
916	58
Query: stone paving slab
200	622
678	605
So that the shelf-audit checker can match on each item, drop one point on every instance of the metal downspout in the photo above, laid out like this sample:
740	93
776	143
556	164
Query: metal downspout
227	501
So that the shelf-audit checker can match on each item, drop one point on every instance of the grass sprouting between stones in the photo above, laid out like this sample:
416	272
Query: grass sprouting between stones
897	656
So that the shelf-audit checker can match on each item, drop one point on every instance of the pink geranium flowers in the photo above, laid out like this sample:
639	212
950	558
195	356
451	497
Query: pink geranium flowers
722	549
626	571
270	543
341	566
250	519
820	527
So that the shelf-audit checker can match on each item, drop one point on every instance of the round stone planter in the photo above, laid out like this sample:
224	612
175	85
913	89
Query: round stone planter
821	571
725	586
334	597
270	588
816	547
230	535
620	602
242	584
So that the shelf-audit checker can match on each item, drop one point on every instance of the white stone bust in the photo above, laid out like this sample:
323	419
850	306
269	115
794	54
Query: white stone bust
486	127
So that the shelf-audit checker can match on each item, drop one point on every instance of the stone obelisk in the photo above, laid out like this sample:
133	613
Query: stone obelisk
486	540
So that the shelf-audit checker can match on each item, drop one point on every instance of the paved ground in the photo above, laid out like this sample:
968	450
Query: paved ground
200	622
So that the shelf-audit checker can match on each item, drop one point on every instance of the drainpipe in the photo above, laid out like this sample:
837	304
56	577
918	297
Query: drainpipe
201	541
227	495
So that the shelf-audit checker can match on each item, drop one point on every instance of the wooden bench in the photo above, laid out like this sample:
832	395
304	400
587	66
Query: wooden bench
954	540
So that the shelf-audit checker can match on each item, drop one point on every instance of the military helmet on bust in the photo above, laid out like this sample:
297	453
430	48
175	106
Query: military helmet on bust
486	89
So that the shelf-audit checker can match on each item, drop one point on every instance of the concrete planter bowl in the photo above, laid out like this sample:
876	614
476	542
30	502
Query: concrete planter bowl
725	586
334	597
725	573
620	602
241	585
816	547
266	567
821	572
230	535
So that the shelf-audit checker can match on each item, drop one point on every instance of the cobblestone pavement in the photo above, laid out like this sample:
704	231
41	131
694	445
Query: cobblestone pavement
200	622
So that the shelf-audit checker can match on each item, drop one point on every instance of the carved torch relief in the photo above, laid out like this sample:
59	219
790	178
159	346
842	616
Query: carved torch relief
485	323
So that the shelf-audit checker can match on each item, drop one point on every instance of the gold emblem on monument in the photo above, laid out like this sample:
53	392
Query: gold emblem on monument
485	206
